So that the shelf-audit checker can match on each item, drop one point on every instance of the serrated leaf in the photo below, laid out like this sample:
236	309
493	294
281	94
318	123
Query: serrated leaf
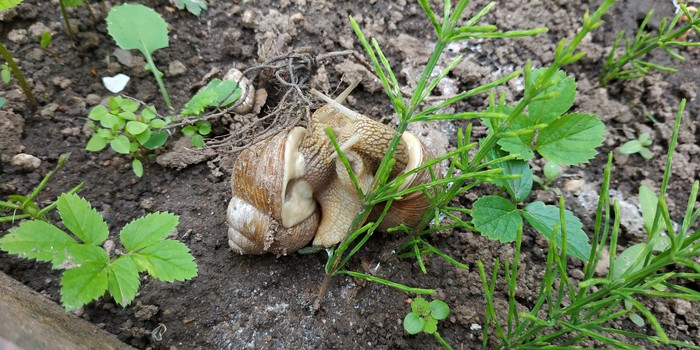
157	139
496	218
430	325
544	217
147	230
199	102
98	112
6	4
96	143
121	144
514	145
439	309
83	284
137	167
571	139
81	254
38	240
123	280
629	147
168	261
135	26
545	111
648	203
520	188
194	7
135	127
413	323
81	219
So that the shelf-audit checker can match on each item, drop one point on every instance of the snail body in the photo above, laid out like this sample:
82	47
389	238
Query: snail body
293	188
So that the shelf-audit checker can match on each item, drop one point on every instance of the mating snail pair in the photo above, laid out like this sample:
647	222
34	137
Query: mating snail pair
293	188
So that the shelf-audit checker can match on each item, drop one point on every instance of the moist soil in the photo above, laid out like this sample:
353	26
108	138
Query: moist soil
253	302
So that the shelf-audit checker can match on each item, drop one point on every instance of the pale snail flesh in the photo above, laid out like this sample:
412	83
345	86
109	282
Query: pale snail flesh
293	188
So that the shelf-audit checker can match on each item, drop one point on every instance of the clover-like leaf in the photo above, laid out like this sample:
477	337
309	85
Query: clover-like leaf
413	323
496	218
439	309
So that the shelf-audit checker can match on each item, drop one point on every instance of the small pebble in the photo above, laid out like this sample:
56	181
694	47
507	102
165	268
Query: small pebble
681	306
92	99
176	68
108	245
123	56
26	161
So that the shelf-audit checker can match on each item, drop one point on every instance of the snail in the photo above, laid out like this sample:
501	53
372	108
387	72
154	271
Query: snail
293	188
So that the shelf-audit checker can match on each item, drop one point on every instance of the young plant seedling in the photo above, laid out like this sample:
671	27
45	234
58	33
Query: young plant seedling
89	270
11	66
126	130
25	207
640	145
668	37
194	7
134	26
424	318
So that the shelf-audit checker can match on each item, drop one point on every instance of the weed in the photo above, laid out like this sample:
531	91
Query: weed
424	318
567	312
135	26
89	270
194	7
640	145
11	66
25	207
668	36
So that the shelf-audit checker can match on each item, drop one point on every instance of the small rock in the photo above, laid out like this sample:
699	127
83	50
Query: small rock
26	161
62	82
601	269
18	36
176	68
35	55
577	274
37	29
145	312
74	131
147	203
574	185
108	246
681	306
92	99
123	56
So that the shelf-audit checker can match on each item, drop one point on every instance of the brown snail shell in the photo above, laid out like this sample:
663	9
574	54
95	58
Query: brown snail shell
272	209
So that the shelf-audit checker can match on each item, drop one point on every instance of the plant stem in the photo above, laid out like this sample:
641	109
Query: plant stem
66	22
159	80
92	13
33	104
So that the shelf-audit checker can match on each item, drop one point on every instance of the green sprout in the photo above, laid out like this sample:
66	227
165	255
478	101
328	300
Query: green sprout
12	67
640	145
424	318
194	7
89	269
669	36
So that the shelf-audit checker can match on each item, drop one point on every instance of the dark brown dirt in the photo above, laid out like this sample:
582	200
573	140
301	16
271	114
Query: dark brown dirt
241	302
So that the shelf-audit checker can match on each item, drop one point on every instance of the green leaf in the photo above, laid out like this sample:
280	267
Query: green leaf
198	141
144	136
127	115
518	189
496	218
135	128
439	309
123	280
135	26
545	111
571	139
203	127
3	101
636	319
157	139
195	7
6	4
430	325
148	230
625	261
129	105
5	74
121	144
189	130
83	284
96	143
80	218
199	102
420	306
514	145
45	40
646	153
227	92
413	323
38	240
148	113
648	203
80	254
629	147
98	112
168	261
137	167
544	217
109	121
158	123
